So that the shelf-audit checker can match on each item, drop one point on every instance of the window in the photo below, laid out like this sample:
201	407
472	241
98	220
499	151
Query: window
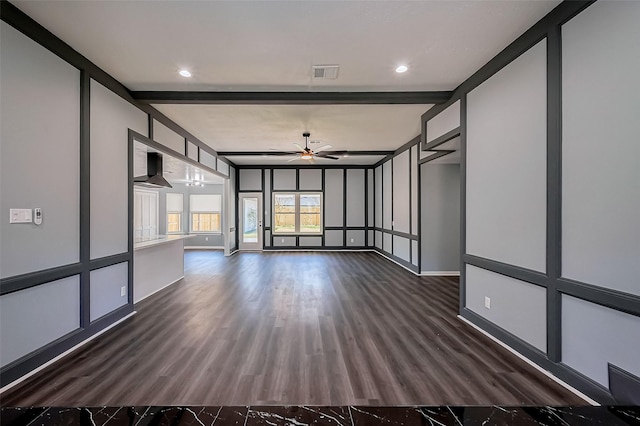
205	213
174	213
297	213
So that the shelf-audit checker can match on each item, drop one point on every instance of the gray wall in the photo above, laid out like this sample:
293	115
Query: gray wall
338	204
440	211
40	166
111	117
516	306
106	283
588	301
39	155
33	317
395	206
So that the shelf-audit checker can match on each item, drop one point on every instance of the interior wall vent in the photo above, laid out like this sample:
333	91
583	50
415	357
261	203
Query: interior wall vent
325	72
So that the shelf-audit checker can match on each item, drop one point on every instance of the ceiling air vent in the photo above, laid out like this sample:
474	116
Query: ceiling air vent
325	72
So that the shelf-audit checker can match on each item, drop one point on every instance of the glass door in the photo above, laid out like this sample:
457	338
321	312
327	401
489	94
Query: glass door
250	221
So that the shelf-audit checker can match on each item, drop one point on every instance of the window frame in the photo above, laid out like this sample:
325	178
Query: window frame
179	213
192	212
297	213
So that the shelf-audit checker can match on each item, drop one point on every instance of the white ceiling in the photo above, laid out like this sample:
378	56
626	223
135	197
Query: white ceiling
264	127
271	45
266	160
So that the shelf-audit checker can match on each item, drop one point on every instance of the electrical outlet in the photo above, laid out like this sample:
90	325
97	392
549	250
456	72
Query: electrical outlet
352	240
487	302
282	240
206	238
123	291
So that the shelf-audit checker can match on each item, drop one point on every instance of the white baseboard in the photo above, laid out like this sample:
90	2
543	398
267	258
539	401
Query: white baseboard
155	291
440	273
531	363
203	248
62	355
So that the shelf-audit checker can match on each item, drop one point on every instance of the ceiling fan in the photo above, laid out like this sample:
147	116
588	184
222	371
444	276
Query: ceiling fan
307	153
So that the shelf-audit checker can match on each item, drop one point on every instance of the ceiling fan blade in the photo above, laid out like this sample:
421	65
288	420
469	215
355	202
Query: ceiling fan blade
293	159
322	148
299	146
312	161
330	157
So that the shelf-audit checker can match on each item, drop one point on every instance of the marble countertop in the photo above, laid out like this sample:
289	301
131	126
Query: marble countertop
162	239
311	415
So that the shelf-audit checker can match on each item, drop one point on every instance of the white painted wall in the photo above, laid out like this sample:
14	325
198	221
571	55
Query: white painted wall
447	120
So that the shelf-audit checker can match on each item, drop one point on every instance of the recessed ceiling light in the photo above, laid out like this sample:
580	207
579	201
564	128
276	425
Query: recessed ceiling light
185	73
402	68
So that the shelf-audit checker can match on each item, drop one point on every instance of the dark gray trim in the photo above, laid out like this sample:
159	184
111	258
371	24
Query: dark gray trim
276	153
395	258
437	155
560	370
624	386
392	209
290	98
32	29
264	200
316	248
35	359
452	134
271	209
85	198
344	207
419	208
403	148
548	27
554	192
178	155
33	279
562	13
614	299
109	260
366	208
150	130
310	166
345	228
323	187
131	136
522	274
463	202
396	233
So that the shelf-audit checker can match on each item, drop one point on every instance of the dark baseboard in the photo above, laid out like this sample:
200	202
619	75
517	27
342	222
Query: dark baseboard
562	371
35	359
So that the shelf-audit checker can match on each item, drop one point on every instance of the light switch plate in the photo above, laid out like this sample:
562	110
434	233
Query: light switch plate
487	302
20	216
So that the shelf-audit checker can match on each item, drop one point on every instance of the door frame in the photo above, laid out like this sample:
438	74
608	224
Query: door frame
250	246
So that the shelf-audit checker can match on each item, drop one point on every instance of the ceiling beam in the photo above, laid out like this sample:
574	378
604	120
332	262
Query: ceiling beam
291	98
278	153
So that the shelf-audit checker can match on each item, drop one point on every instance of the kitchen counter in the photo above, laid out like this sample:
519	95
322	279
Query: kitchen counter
162	239
157	264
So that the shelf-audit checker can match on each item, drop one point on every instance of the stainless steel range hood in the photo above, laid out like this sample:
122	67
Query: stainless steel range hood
154	178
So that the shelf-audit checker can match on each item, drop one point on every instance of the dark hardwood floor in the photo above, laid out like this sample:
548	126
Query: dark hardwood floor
293	328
